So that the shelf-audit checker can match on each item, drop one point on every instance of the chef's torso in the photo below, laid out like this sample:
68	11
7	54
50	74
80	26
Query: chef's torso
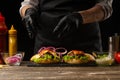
51	11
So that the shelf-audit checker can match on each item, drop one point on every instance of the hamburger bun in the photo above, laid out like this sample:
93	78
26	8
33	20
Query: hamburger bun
76	52
78	57
45	56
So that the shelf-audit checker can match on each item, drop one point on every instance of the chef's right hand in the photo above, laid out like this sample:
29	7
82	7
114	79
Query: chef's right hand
29	21
68	24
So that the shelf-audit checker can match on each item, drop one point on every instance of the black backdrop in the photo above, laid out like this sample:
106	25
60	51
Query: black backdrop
10	9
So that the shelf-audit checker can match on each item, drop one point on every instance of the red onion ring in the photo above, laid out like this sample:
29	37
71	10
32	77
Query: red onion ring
61	50
46	48
42	48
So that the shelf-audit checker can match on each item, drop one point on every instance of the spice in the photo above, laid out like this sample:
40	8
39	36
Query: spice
12	41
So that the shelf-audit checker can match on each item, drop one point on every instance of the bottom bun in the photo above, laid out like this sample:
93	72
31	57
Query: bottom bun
48	61
76	61
91	58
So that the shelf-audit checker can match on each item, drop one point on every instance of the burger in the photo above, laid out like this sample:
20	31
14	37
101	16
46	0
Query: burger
45	56
78	57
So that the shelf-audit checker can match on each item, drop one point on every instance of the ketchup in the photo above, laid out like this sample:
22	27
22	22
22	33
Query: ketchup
3	36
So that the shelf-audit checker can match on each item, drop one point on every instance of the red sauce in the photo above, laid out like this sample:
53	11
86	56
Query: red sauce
3	36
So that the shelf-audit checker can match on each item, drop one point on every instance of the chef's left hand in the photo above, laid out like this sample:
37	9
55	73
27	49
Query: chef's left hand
68	24
30	21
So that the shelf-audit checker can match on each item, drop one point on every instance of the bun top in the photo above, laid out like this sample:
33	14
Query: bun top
44	51
76	52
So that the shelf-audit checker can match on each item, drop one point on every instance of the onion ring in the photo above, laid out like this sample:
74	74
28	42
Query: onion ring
42	48
46	48
61	51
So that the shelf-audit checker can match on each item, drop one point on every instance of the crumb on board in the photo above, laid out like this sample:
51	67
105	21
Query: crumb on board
1	66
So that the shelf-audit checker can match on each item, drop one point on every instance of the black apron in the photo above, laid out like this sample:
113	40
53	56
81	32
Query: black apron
86	38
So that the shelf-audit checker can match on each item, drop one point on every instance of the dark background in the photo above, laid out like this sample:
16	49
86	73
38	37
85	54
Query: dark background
10	10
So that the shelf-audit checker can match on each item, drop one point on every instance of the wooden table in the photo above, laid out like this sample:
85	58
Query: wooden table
24	72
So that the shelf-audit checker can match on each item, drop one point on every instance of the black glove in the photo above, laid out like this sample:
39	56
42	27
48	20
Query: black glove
29	21
68	24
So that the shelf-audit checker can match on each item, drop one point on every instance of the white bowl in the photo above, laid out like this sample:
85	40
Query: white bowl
103	59
14	60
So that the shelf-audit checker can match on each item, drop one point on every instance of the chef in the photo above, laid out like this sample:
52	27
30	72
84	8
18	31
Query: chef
72	24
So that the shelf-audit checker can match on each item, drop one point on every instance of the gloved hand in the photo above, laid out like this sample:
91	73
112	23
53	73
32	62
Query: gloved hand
68	24
29	21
